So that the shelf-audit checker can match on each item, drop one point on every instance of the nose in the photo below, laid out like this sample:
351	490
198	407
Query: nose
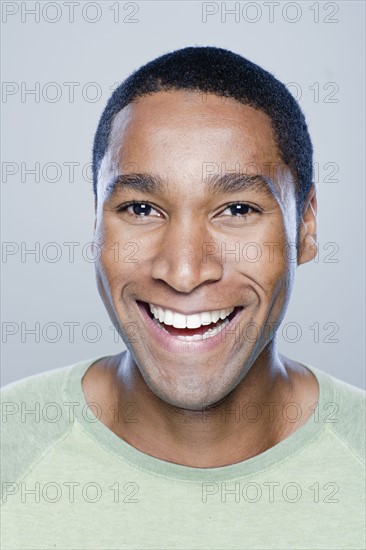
181	261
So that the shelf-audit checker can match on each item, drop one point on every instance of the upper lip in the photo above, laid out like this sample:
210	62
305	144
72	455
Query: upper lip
191	312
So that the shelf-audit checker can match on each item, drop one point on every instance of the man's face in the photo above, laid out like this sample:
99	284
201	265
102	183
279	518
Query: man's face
192	248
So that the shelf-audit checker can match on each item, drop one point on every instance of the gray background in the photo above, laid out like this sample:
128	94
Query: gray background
324	46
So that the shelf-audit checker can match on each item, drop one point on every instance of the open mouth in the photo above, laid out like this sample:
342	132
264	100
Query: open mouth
191	327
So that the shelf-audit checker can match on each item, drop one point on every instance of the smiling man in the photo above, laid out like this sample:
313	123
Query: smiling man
200	434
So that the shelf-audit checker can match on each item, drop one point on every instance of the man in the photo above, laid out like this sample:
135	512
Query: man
200	434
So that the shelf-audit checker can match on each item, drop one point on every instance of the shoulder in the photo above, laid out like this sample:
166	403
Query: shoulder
34	385
28	400
344	411
34	417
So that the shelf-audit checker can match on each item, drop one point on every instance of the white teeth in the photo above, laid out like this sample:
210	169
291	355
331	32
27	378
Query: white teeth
194	321
179	320
215	316
168	316
205	318
160	314
208	334
223	314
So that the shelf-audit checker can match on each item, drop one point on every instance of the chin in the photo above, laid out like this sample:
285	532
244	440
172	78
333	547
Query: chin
193	391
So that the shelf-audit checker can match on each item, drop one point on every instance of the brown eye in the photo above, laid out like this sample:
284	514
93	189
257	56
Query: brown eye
141	209
138	210
239	209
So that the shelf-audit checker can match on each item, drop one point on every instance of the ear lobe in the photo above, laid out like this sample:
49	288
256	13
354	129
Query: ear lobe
308	247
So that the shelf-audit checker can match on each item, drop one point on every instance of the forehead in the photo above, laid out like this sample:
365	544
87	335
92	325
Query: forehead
181	134
180	104
175	117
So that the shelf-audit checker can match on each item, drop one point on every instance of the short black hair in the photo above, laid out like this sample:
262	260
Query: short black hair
219	71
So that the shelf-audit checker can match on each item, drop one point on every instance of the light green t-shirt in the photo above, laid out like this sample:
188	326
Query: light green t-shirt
68	482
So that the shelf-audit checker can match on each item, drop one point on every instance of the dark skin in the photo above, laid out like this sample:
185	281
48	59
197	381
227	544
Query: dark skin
180	399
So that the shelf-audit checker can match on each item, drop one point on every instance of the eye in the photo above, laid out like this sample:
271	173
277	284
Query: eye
138	209
239	210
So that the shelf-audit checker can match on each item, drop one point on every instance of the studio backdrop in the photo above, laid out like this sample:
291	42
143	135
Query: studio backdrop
60	63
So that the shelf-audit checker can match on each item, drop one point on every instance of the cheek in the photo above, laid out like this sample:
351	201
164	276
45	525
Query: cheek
259	251
122	257
266	268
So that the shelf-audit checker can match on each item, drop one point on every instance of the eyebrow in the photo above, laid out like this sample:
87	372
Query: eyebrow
214	183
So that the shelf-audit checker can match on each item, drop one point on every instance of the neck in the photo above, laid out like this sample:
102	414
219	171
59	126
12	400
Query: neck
245	423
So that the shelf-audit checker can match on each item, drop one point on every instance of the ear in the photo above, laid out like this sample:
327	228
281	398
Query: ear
308	247
95	213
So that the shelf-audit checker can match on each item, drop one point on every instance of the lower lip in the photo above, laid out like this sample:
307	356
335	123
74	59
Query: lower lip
175	345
